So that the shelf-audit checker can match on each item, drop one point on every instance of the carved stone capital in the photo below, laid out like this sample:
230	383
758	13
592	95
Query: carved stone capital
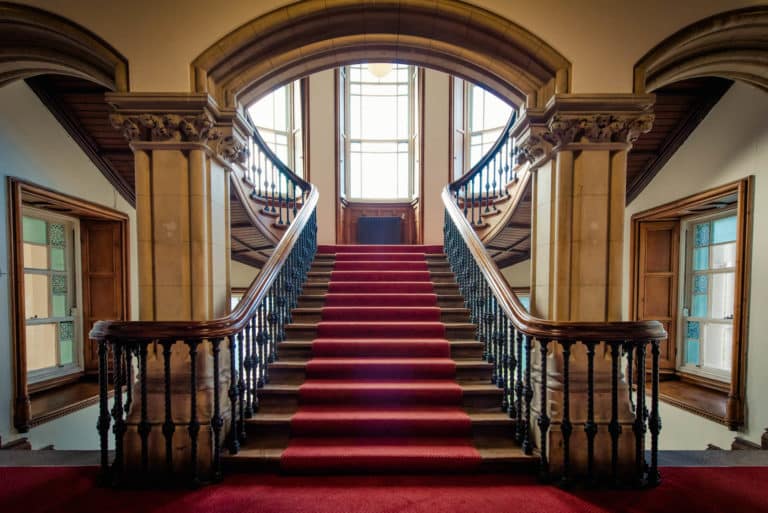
232	150
164	127
597	128
534	146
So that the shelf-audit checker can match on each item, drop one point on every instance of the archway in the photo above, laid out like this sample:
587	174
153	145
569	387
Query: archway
450	36
36	42
732	45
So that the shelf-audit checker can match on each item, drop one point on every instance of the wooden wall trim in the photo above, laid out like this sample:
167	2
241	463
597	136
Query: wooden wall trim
422	155
22	192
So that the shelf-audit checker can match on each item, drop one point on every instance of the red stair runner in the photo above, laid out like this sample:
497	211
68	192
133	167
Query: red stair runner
380	394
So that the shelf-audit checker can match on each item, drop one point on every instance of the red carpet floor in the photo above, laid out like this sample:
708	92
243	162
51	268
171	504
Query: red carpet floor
380	394
72	489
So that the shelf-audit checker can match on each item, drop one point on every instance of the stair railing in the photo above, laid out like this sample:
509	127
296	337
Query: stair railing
273	183
232	353
477	190
513	338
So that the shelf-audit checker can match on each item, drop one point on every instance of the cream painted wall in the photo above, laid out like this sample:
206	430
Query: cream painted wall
518	275
322	155
603	39
36	148
436	152
241	275
731	143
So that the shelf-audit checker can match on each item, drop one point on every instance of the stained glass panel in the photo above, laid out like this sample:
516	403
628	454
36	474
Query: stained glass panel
701	259
56	235
700	284
692	330
701	235
699	305
59	283
34	230
58	261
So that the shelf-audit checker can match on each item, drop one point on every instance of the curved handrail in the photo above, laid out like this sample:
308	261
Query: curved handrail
524	321
490	155
223	326
279	164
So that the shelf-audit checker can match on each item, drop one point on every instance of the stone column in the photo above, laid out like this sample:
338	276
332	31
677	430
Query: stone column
184	152
577	147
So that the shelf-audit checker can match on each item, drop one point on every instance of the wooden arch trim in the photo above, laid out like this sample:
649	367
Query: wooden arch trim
35	42
732	45
447	35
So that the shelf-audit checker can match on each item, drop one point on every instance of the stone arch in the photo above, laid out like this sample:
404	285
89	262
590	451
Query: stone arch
36	42
447	35
731	45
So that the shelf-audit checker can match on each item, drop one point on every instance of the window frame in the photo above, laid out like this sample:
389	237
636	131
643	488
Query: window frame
34	404
711	398
412	139
73	268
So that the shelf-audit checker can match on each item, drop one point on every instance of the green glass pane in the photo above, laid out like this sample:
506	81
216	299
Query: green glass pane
724	230
59	305
57	259
701	235
56	235
66	329
526	302
699	305
65	352
700	259
59	283
34	230
692	352
700	284
692	330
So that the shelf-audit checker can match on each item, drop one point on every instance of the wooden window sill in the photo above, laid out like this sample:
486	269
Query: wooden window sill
697	399
56	402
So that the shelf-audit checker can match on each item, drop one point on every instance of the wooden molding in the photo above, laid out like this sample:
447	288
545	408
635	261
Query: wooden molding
300	39
60	47
732	44
742	444
19	193
741	193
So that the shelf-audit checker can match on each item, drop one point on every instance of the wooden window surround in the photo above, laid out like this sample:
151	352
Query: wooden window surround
105	295
655	292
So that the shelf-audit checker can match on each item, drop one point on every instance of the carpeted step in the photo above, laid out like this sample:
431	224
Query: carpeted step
381	313
388	276
380	455
379	248
382	299
338	329
338	420
381	368
382	265
381	347
380	286
425	392
355	257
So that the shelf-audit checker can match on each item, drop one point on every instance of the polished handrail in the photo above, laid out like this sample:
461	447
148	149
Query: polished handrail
527	323
223	326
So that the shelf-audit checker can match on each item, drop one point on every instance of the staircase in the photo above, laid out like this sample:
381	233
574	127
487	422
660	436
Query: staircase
380	371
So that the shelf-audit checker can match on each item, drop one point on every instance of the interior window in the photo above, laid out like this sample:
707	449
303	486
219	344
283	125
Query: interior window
707	316
488	115
278	118
50	295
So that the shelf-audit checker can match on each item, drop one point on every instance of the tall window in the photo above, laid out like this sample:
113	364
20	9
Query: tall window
710	265
380	140
278	117
50	298
477	119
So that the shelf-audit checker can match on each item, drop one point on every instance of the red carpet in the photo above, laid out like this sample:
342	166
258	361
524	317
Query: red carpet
700	490
380	394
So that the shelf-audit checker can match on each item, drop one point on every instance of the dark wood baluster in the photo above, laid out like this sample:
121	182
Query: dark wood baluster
128	378
234	443
566	428
217	421
119	427
639	424
506	401
273	187
655	419
518	375
473	206
144	427
253	380
103	422
169	427
590	428
629	352
262	339
194	422
280	197
614	427
248	373
487	173
466	187
543	420
241	387
527	441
